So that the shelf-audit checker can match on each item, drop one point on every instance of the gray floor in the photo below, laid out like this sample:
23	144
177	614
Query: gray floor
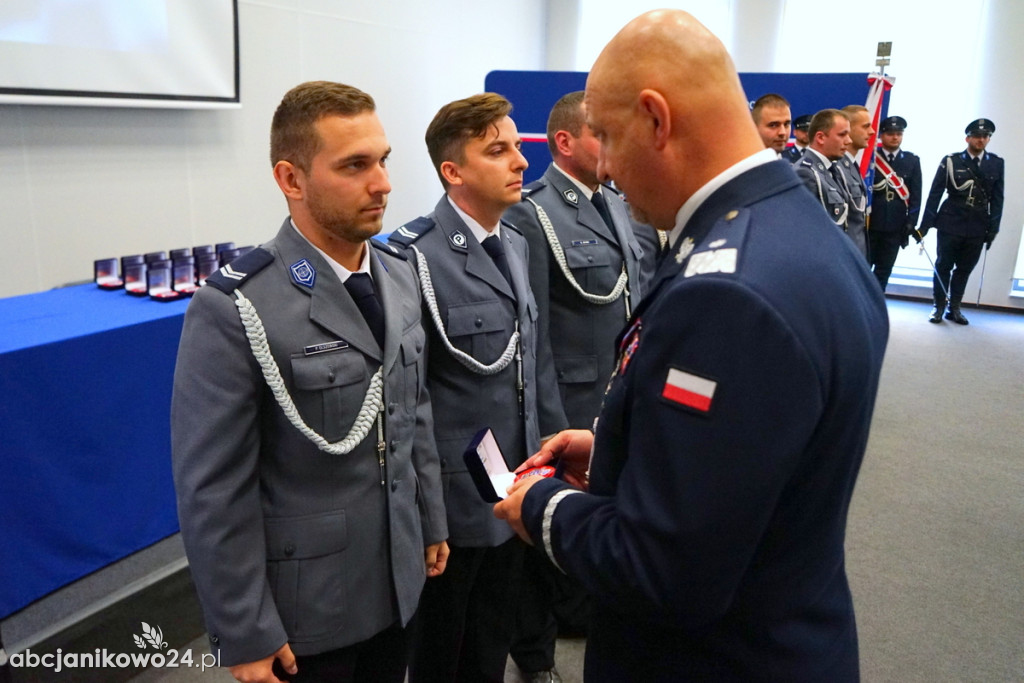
936	531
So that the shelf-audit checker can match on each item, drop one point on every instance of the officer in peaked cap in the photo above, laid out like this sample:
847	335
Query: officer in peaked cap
969	218
801	125
893	124
896	198
980	128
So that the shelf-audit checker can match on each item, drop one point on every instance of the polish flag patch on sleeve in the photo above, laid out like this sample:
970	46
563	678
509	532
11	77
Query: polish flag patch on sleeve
689	390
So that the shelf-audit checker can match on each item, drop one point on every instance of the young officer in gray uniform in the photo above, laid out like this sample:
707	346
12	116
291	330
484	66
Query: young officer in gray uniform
853	183
487	369
308	485
585	263
969	218
829	135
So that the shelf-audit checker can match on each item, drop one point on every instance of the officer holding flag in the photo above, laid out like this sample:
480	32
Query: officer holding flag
896	198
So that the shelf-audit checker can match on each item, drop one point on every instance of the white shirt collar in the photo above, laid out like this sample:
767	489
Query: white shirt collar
587	192
686	211
341	271
479	231
824	159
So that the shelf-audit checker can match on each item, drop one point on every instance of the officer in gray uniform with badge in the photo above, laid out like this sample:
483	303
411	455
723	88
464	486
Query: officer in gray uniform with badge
487	369
829	135
585	268
896	199
308	485
967	221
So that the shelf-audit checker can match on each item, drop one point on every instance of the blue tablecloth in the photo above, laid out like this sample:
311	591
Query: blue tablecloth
85	476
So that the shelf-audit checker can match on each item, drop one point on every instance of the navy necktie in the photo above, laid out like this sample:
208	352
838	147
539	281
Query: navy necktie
602	208
492	245
360	286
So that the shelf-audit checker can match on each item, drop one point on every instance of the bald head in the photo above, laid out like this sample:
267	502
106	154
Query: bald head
657	94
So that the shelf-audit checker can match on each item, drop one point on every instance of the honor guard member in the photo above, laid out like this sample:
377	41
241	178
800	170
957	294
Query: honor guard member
896	200
860	137
309	491
772	118
829	135
585	264
726	452
793	153
487	369
969	218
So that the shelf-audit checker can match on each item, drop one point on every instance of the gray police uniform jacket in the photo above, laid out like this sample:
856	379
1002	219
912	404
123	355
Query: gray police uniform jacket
819	181
287	542
856	192
480	312
582	333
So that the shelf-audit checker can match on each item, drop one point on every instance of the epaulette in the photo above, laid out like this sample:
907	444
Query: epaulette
231	276
510	226
406	234
804	161
379	244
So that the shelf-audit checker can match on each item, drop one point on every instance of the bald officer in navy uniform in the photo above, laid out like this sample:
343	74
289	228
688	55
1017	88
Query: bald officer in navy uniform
967	221
896	198
829	135
309	491
711	537
793	152
487	369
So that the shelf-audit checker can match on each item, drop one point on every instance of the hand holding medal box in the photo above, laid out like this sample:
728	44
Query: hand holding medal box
489	471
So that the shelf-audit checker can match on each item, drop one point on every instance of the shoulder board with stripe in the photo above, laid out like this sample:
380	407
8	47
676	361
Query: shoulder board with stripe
388	249
406	234
804	161
229	277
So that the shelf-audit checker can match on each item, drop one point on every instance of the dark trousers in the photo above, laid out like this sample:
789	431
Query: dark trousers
550	604
383	658
883	248
959	255
465	620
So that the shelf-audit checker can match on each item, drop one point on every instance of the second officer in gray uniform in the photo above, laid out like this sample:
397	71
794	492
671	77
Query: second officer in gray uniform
486	369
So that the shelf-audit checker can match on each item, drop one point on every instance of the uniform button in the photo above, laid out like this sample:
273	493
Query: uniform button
590	259
394	485
330	375
289	550
561	374
391	408
214	639
479	322
394	445
444	462
419	347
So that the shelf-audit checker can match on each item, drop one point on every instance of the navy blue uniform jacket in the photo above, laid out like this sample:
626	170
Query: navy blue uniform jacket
712	535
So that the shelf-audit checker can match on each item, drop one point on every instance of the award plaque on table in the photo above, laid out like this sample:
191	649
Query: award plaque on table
159	282
105	274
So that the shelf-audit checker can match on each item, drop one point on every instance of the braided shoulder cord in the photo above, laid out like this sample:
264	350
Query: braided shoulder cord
821	198
967	185
559	254
427	286
372	402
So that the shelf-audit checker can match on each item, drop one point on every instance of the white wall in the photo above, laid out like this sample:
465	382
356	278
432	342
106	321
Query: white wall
82	183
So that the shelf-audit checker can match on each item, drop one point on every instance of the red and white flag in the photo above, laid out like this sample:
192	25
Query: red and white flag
689	390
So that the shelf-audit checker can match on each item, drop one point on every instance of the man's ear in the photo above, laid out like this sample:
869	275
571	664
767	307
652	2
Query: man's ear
290	179
562	140
654	105
451	172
